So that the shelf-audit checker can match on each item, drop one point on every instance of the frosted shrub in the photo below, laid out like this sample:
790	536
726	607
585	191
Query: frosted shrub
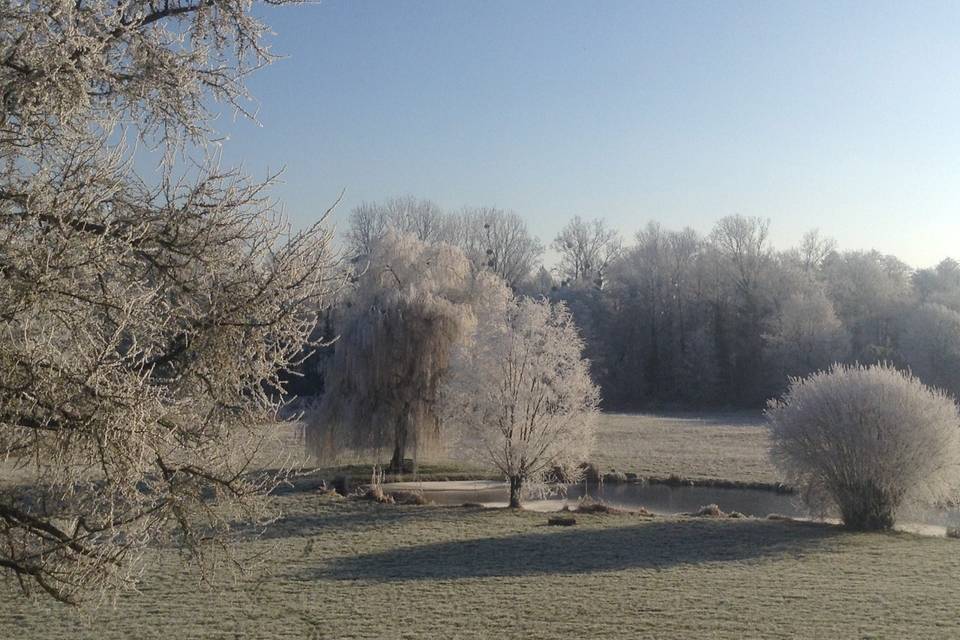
867	441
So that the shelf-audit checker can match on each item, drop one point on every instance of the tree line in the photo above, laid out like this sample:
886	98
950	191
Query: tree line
679	319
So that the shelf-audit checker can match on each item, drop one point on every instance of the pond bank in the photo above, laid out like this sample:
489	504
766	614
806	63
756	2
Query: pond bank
661	499
674	480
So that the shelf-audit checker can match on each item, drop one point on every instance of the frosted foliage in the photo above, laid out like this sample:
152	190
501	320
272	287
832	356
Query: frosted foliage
369	222
497	240
586	250
867	441
70	65
145	320
520	396
809	335
931	346
409	307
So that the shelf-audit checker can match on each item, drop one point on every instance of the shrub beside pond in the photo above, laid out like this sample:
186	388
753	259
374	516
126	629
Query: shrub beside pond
867	441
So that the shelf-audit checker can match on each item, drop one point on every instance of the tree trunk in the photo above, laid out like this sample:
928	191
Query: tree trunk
866	507
516	485
399	446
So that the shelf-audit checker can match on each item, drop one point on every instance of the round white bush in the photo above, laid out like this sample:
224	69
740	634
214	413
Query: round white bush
867	441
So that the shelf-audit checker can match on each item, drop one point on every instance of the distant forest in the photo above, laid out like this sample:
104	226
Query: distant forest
674	319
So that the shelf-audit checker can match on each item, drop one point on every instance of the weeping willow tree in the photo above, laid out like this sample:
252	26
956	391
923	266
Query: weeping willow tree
409	307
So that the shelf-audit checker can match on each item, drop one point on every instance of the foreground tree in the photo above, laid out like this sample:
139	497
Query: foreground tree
521	398
145	319
867	441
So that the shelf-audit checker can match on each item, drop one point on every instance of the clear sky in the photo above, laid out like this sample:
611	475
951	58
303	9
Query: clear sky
841	116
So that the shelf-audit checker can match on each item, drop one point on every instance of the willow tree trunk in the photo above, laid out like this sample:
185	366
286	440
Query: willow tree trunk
516	487
399	445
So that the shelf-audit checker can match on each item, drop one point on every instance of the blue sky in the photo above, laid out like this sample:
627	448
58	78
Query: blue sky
841	116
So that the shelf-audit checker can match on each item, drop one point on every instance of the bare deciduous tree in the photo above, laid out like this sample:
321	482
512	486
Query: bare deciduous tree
586	250
814	249
369	222
931	346
145	319
807	334
520	397
869	291
497	240
939	285
744	256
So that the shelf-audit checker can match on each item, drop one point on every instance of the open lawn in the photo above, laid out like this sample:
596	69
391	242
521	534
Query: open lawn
697	446
342	569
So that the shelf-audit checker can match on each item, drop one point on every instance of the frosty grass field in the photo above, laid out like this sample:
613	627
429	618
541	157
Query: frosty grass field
347	569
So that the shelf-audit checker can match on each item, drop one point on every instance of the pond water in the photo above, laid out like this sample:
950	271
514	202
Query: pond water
657	498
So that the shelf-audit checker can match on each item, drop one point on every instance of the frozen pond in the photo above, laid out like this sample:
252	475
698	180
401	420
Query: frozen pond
657	498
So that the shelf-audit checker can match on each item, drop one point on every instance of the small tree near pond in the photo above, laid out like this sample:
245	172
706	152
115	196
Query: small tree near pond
867	441
520	397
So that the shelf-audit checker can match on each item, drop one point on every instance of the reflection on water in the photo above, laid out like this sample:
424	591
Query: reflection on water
657	498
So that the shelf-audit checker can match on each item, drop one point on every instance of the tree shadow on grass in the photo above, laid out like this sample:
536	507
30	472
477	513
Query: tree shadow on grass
584	550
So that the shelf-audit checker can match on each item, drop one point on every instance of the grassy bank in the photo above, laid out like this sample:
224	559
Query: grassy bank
360	570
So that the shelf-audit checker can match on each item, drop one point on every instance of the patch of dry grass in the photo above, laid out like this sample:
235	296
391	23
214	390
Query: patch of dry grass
356	569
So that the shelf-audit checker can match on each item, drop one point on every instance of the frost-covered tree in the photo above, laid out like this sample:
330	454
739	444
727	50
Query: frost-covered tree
807	335
586	250
869	291
867	441
370	221
497	240
409	307
492	239
145	317
940	285
931	346
520	396
814	249
744	261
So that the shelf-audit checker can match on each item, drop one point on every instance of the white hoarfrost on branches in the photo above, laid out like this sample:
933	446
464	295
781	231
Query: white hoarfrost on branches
867	441
497	240
520	397
586	251
410	305
931	346
145	319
